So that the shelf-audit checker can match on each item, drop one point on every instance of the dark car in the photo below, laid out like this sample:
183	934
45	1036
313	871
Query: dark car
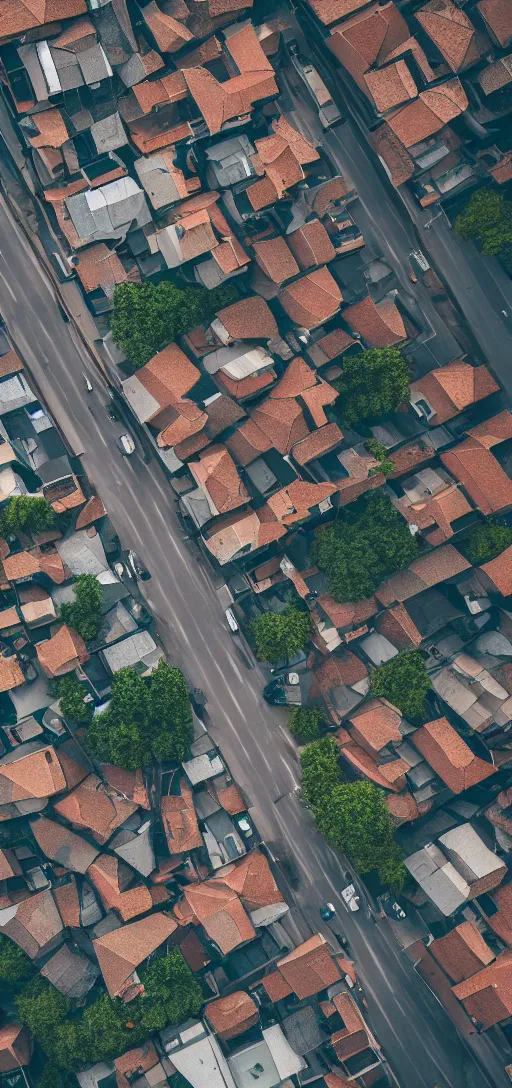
137	611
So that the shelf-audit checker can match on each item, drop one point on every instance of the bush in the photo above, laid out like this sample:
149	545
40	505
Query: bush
369	542
281	635
486	541
15	965
386	465
373	384
143	719
404	681
487	220
321	771
26	514
71	696
84	613
305	724
147	317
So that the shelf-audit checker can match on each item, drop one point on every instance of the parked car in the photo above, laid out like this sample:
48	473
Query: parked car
125	444
350	897
135	564
392	908
137	611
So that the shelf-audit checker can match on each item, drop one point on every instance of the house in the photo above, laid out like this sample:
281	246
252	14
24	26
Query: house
307	970
486	994
112	879
449	756
473	693
478	470
62	652
442	393
462	952
456	869
179	820
62	845
232	1015
121	951
95	808
34	924
15	1047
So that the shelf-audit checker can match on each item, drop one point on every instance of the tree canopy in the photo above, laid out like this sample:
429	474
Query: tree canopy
487	220
27	514
84	613
15	965
368	542
71	697
281	635
352	816
305	723
146	316
386	465
485	541
144	718
373	383
100	1032
404	681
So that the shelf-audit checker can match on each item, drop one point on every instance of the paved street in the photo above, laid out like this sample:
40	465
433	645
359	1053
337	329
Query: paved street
417	1037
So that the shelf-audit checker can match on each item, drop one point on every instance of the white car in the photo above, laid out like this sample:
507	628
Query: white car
125	444
350	897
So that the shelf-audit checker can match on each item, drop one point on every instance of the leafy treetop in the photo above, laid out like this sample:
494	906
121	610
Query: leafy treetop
485	541
373	384
146	316
15	965
71	696
386	465
143	719
27	514
404	681
352	816
84	613
305	723
280	635
487	220
369	542
101	1031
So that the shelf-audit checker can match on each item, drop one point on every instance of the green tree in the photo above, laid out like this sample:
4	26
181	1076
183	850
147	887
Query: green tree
485	541
373	384
305	723
71	696
42	1008
404	681
321	771
52	1077
146	316
27	514
487	220
170	716
15	965
84	613
281	635
368	542
354	819
172	994
143	719
386	465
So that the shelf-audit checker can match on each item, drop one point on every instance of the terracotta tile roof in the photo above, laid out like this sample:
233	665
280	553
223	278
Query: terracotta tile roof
452	32
461	952
10	363
62	845
169	34
391	86
110	879
276	986
347	613
494	430
11	675
245	49
251	878
302	149
499	570
66	898
217	474
98	266
377	724
397	626
339	669
402	807
310	968
231	800
450	389
261	193
274	257
429	113
52	129
35	922
297	377
379	323
134	1063
93	807
228	539
221	102
449	756
329	347
92	511
396	159
434	567
440	511
189	421
230	1016
248	442
249	319
123	950
19	16
168	376
480	474
311	244
61	653
9	865
498	17
487	995
130	783
282	421
390	776
157	92
318	442
311	300
494	76
21	565
317	398
38	774
180	821
219	910
332	11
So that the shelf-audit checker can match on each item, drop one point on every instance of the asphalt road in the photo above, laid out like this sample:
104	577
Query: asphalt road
416	1035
